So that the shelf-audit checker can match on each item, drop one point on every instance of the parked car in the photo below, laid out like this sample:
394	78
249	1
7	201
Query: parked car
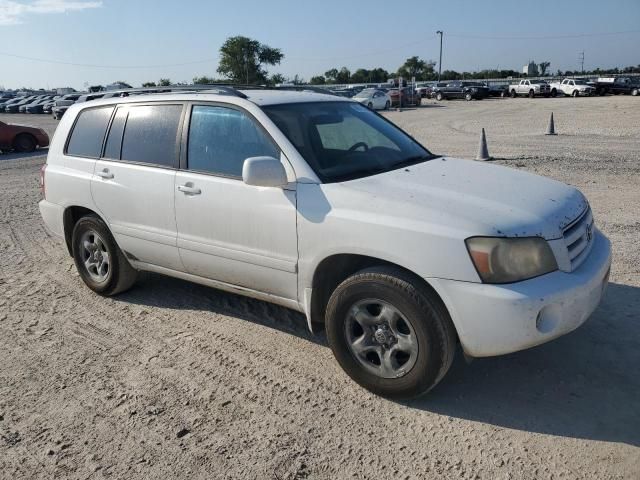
409	97
423	89
617	85
319	204
14	107
37	106
22	138
530	88
572	86
47	106
497	90
374	99
63	104
458	89
8	102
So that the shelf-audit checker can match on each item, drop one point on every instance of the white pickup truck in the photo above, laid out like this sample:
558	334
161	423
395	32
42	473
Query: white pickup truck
572	86
531	88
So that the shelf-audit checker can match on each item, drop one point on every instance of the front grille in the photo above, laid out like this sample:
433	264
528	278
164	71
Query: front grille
578	237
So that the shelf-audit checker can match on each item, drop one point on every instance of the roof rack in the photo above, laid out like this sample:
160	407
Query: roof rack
213	88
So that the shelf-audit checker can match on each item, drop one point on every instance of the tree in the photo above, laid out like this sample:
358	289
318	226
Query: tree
149	84
344	75
164	82
277	78
331	75
415	67
318	80
242	60
543	67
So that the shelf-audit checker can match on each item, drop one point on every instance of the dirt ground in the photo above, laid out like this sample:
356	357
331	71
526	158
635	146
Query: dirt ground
175	380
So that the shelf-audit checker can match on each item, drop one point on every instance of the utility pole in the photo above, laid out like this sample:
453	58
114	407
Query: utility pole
439	32
582	61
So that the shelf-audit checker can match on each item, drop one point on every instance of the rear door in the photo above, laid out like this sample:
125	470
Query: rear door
229	231
133	182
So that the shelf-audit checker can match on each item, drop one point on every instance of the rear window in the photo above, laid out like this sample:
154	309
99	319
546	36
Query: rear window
88	132
150	135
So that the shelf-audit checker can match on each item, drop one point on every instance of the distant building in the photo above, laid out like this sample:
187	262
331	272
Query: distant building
530	70
64	90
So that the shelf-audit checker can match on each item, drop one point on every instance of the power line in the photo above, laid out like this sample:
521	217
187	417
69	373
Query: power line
540	37
89	65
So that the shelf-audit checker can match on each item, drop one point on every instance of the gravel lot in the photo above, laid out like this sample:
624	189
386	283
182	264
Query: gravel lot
175	380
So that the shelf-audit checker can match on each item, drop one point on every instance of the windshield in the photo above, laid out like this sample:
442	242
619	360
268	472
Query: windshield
345	140
365	93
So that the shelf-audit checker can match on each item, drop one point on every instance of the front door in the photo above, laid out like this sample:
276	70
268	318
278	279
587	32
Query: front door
229	231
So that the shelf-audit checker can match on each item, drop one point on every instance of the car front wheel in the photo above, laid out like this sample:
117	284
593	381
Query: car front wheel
439	96
390	334
100	262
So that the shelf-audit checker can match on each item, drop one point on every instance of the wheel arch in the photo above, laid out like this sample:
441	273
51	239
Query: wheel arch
335	268
70	217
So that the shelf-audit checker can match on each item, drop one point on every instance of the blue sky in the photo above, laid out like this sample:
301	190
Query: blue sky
146	36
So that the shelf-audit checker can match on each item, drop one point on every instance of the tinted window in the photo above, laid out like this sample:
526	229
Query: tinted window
221	139
114	139
342	141
88	132
151	133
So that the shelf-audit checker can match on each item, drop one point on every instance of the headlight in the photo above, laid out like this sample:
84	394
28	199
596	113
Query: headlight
507	260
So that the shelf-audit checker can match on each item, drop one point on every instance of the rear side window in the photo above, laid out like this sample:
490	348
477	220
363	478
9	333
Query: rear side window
150	135
114	139
221	139
88	132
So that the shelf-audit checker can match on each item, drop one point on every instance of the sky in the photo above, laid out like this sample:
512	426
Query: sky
144	40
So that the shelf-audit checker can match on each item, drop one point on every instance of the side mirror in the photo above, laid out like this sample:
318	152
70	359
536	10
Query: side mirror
264	172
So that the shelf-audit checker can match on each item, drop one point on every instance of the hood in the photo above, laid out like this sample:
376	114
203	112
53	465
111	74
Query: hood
470	198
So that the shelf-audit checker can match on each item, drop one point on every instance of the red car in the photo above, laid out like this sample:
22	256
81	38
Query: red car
22	138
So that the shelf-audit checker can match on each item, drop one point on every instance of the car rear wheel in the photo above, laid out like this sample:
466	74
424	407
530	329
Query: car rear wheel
635	92
387	105
513	94
554	92
100	262
25	143
468	97
390	334
370	106
532	94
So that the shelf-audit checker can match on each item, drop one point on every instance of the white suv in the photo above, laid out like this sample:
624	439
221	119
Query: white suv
319	204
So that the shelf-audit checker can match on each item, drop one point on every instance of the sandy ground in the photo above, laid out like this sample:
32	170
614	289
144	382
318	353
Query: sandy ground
175	380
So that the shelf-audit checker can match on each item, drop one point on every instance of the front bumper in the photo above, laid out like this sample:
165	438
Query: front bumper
498	319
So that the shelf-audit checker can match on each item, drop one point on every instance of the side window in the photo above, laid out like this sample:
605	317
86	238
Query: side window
150	135
88	132
221	139
114	139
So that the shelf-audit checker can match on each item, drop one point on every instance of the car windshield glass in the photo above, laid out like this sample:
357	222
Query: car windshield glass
345	140
365	93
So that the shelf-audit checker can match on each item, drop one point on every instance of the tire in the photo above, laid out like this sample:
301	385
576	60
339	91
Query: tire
575	93
554	93
418	319
370	106
439	96
387	105
532	94
25	143
513	94
468	97
118	275
635	92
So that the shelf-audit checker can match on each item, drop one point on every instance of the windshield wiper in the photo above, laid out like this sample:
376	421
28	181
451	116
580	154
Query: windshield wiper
412	161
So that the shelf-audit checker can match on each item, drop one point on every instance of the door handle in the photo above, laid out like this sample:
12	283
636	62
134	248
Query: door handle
189	189
106	174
